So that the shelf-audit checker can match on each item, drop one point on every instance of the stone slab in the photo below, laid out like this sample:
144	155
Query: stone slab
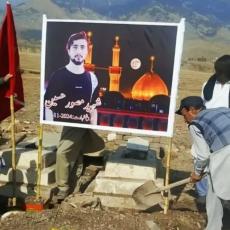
29	176
119	186
119	167
50	141
113	186
137	143
27	158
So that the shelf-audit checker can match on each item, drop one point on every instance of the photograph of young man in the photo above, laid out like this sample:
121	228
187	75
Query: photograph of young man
72	93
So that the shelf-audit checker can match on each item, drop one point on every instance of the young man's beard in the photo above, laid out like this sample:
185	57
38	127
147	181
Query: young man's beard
76	62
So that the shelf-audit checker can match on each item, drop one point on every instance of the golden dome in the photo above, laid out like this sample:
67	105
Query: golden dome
149	85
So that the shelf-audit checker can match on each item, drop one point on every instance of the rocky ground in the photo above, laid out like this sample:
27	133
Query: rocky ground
183	213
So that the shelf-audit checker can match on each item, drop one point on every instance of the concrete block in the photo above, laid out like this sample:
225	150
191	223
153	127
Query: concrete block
50	141
119	186
117	192
119	167
130	171
29	176
48	176
138	143
122	175
27	158
28	143
116	186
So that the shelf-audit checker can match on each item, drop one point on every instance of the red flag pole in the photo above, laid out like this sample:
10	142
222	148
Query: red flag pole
11	40
13	69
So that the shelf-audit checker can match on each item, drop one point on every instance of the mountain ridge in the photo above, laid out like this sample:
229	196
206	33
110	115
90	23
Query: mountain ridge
206	23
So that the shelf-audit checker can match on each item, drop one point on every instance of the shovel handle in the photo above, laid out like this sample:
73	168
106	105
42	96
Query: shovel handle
172	185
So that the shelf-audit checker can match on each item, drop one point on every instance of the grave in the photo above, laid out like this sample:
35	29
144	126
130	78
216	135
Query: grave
126	169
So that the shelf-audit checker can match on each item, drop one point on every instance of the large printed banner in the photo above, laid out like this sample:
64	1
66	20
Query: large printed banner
117	76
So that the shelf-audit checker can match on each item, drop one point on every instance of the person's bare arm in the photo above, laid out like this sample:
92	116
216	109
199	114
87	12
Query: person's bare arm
7	77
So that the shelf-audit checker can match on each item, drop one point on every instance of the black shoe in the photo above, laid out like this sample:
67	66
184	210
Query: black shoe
57	195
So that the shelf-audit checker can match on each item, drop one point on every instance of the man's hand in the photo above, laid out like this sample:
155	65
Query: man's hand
7	77
195	178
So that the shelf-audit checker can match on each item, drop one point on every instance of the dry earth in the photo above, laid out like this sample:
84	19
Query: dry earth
183	214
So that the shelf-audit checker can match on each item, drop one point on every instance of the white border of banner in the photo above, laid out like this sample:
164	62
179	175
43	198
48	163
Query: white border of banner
175	78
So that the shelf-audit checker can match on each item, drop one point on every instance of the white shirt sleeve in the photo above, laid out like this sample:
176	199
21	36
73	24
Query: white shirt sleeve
201	148
94	81
219	97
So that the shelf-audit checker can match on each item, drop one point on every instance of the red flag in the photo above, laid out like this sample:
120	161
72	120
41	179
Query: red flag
9	63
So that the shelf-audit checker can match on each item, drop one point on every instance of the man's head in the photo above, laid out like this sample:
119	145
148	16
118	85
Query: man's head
190	107
77	47
222	68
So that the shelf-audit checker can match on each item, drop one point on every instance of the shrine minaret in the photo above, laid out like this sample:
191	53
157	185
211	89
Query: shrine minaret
115	69
88	61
